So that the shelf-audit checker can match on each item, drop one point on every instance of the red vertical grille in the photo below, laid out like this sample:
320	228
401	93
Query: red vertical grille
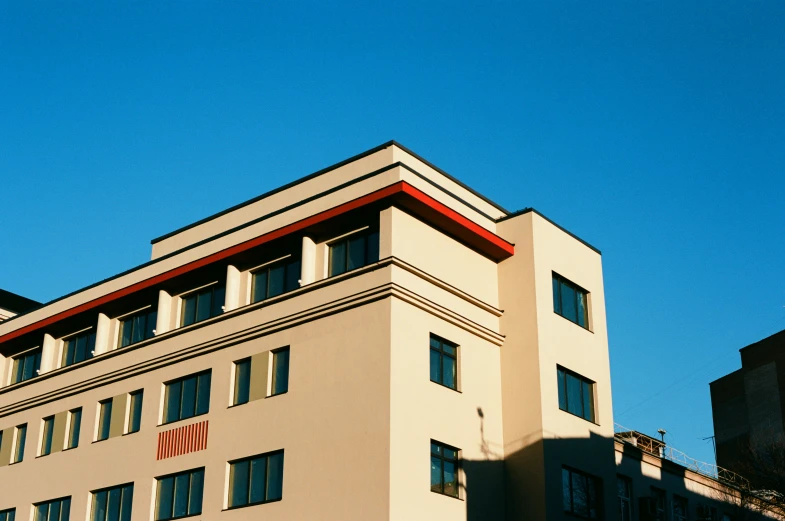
182	440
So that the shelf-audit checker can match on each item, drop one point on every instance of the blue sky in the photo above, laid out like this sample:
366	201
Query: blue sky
653	130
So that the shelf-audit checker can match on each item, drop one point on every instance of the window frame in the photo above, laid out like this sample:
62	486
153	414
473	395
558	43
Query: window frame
130	418
49	505
36	353
236	383
47	436
121	487
230	478
456	461
597	500
273	360
660	514
368	257
175	475
442	354
181	380
146	311
563	388
70	429
684	502
621	478
288	262
89	334
4	514
17	453
103	407
217	285
558	308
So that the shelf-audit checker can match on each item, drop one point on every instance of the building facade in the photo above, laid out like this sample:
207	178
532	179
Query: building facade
373	341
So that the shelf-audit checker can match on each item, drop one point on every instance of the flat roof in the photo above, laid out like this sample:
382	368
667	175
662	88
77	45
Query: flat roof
16	303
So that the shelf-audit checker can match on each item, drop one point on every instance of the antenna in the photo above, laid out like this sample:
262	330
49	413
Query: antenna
662	435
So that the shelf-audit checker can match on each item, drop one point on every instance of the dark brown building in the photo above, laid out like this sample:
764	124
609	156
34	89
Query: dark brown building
748	404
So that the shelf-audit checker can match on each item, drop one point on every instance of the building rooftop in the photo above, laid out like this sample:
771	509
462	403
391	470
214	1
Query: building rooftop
16	303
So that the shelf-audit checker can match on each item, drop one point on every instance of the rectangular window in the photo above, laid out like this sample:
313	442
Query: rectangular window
135	411
242	382
581	494
444	469
19	444
256	480
202	304
576	394
624	492
680	512
78	348
46	439
137	327
704	513
275	279
187	397
112	504
280	383
659	503
54	510
104	419
74	426
354	251
26	366
179	495
444	362
570	301
7	515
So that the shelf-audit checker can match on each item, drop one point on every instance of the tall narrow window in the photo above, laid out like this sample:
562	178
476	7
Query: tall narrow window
581	494
179	495
7	515
46	438
444	362
26	366
53	510
137	327
570	301
242	382
112	504
275	279
19	444
624	492
280	383
444	469
78	348
104	419
74	426
354	251
187	397
256	480
576	394
660	504
135	411
202	304
680	511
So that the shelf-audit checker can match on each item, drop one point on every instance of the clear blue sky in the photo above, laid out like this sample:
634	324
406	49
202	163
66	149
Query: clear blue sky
653	130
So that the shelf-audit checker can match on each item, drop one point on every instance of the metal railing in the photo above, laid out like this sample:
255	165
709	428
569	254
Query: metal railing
661	450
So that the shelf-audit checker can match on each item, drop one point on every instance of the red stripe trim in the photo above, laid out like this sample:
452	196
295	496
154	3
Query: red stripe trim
484	235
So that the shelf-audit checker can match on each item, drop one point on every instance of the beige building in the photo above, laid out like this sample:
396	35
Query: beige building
373	341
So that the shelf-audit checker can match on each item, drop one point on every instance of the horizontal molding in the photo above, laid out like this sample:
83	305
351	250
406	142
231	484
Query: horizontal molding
383	291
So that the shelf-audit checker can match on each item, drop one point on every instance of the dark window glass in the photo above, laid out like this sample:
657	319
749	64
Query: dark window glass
203	304
135	412
138	327
242	382
280	382
444	362
576	394
580	494
570	301
112	504
46	439
19	446
624	493
256	480
187	397
54	510
659	503
273	280
78	348
74	427
680	512
8	515
104	419
179	495
26	366
444	469
354	252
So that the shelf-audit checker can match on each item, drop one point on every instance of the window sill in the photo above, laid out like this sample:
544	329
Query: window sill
99	441
581	417
446	387
252	504
459	498
277	394
571	322
182	420
179	517
70	448
129	433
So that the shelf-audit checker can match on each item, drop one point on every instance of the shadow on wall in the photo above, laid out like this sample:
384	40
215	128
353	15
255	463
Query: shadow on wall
523	487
